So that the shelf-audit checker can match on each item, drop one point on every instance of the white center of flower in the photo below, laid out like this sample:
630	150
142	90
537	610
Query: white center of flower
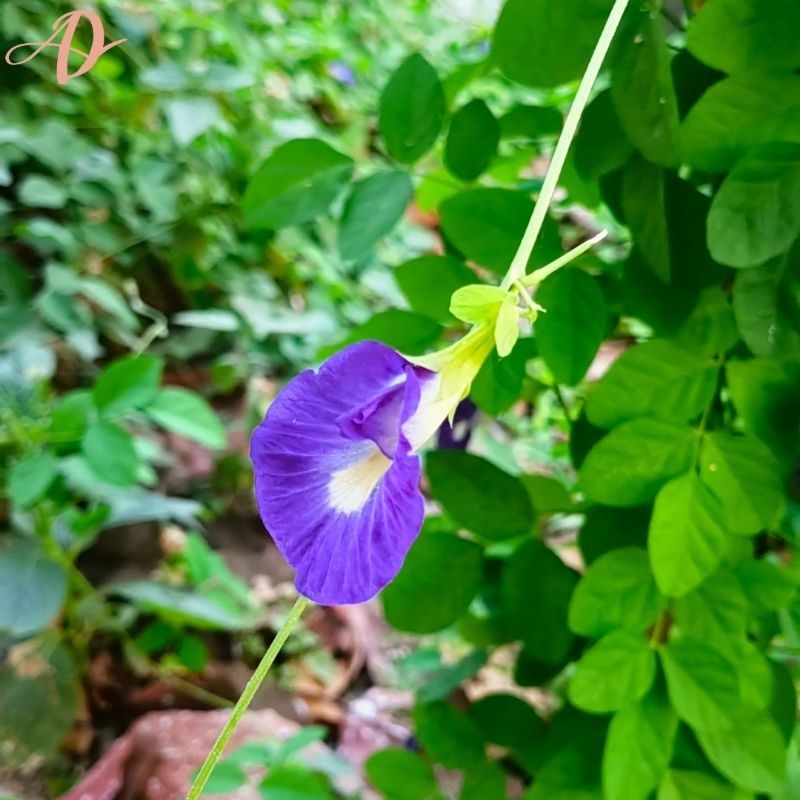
431	412
351	487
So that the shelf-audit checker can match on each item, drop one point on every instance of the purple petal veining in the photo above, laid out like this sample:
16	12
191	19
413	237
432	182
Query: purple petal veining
336	479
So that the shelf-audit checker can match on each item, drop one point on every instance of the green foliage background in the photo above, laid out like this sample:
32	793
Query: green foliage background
227	189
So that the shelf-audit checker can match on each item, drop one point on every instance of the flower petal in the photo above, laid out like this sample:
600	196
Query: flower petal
335	482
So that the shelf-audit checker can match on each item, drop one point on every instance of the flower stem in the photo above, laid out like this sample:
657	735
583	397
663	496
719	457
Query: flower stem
537	276
246	698
523	254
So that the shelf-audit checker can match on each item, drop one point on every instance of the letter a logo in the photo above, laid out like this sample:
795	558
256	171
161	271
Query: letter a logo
66	26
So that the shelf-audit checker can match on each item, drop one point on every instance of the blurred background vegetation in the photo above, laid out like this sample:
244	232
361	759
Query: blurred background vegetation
244	187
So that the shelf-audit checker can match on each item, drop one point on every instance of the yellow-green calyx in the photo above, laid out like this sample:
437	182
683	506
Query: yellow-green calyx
497	308
456	367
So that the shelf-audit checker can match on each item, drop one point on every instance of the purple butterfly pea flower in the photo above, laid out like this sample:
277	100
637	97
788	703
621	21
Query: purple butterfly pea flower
340	72
336	465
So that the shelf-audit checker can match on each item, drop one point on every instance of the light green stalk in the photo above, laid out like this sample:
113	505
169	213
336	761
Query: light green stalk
201	779
520	263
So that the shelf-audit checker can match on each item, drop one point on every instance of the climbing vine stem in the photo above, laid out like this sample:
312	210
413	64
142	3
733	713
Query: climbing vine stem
204	773
520	262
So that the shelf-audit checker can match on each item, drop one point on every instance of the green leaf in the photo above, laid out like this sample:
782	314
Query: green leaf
186	413
182	607
529	671
226	778
499	383
755	215
562	49
642	89
754	670
531	122
583	437
110	453
486	225
566	776
737	114
30	477
471	141
711	328
766	301
605	529
485	781
571	332
462	76
434	188
644	204
417	600
615	672
109	300
747	480
155	637
447	678
192	653
300	741
448	735
129	383
579	190
507	720
686	541
679	220
33	587
782	705
548	495
294	782
296	184
749	751
601	145
638	748
746	35
684	784
703	686
372	209
715	613
534	577
190	117
765	395
207	571
409	333
401	775
768	586
39	191
629	466
477	303
468	487
412	110
657	378
428	282
616	591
